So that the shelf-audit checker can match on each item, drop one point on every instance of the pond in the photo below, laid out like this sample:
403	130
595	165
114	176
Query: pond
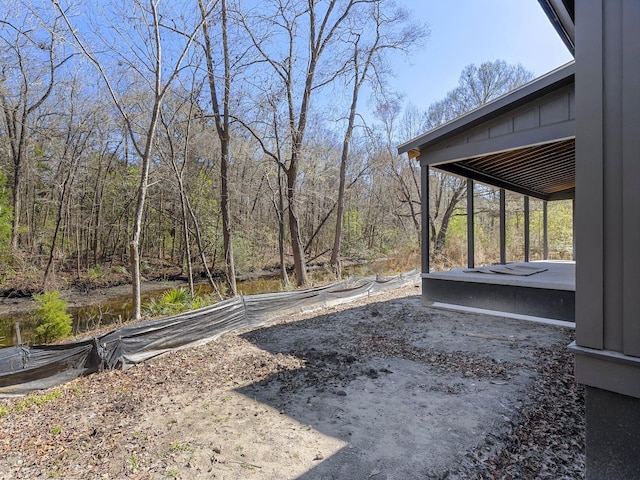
117	310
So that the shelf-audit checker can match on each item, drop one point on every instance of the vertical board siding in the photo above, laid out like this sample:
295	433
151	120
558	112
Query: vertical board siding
612	227
589	171
631	176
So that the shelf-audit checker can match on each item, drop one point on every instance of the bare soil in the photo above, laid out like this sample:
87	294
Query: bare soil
382	388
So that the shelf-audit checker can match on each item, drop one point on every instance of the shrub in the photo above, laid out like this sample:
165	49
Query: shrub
175	301
53	321
177	298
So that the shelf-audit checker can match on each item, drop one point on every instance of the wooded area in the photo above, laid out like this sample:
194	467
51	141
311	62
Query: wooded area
217	136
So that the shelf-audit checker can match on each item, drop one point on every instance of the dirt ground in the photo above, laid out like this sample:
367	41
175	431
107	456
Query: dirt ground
382	388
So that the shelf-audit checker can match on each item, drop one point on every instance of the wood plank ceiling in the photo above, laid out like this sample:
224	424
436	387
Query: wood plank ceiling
543	171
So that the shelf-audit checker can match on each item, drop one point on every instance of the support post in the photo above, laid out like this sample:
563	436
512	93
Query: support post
503	227
573	216
545	230
426	244
471	262
526	229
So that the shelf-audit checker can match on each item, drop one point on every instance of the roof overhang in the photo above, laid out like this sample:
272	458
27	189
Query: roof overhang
523	141
561	13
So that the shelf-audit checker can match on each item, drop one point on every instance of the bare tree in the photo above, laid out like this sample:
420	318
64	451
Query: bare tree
97	176
278	196
279	47
31	58
446	192
403	171
181	141
145	58
222	115
392	31
477	86
178	169
267	135
75	140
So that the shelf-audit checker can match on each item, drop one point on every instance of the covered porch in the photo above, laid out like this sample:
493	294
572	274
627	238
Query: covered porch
523	142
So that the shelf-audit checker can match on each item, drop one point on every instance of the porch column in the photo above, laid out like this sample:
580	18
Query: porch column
471	262
573	216
503	227
426	244
526	229
545	230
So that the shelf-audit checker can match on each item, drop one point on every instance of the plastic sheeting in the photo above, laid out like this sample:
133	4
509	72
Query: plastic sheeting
24	369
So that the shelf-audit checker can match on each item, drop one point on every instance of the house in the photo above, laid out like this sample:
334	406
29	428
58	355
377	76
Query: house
586	116
523	142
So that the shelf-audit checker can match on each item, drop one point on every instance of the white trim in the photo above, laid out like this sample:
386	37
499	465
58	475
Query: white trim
496	313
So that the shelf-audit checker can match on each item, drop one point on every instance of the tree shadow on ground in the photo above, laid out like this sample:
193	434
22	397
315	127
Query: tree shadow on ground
391	381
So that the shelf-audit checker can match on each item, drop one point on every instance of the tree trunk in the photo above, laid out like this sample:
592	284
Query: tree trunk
185	228
222	128
284	276
203	257
299	261
335	253
226	220
134	245
140	206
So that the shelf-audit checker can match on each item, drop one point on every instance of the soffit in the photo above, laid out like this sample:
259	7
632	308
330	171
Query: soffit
542	171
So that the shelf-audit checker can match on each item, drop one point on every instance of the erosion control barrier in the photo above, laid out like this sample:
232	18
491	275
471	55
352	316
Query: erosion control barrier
24	369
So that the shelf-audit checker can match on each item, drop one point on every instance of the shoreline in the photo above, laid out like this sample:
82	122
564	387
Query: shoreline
77	297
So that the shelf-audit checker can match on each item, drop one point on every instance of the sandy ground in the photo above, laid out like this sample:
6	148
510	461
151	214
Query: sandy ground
383	388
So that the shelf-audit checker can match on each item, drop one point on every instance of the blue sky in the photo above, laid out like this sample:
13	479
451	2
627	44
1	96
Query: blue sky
467	32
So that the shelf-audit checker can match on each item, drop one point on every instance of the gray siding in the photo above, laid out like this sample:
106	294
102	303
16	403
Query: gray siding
612	176
608	195
607	174
547	119
589	217
631	176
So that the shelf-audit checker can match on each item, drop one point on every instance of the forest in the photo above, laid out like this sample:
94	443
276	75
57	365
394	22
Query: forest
205	139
